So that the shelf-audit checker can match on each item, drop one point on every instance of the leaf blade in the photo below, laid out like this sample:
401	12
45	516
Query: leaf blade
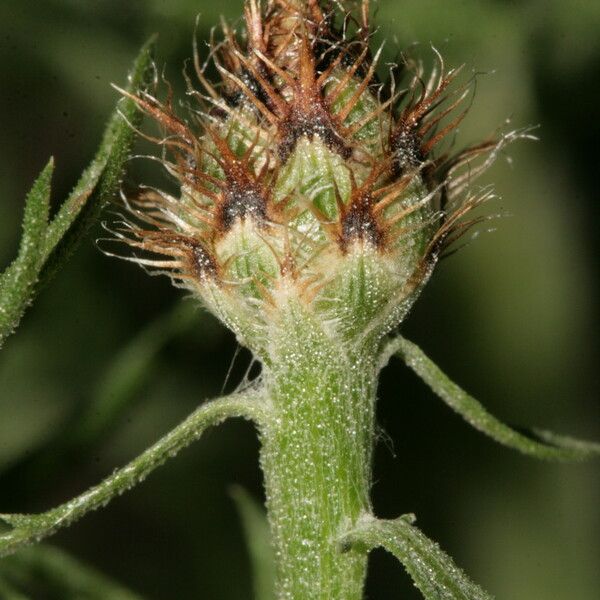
61	573
26	529
18	280
100	181
433	572
535	442
258	541
46	245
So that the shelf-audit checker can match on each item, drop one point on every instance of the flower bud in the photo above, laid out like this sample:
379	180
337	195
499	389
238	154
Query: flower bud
304	179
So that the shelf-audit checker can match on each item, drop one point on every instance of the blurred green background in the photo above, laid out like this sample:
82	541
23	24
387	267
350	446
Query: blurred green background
513	317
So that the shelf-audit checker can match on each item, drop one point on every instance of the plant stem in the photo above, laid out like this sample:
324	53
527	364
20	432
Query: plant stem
316	456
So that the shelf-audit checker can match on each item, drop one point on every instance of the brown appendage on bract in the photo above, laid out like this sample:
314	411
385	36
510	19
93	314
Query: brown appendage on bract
300	74
243	194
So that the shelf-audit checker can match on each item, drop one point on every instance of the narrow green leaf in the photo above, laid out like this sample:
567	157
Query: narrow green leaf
45	246
28	528
432	570
17	282
258	540
60	575
127	373
535	442
100	181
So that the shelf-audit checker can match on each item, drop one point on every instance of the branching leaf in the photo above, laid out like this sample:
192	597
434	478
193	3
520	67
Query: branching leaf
58	575
535	442
45	246
28	528
258	540
18	280
432	570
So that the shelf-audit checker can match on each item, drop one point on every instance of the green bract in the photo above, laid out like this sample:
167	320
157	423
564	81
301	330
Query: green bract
303	177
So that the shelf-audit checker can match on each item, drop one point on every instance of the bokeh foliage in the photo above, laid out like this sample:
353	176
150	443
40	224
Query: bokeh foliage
513	317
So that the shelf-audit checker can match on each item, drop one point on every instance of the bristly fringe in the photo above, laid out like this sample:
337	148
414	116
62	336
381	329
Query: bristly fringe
304	70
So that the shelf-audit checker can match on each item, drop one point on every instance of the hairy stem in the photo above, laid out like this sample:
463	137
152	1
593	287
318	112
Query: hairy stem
316	457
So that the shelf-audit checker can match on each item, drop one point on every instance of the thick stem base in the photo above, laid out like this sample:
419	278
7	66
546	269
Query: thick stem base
316	458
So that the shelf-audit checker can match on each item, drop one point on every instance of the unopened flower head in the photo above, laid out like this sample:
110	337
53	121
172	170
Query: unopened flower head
305	180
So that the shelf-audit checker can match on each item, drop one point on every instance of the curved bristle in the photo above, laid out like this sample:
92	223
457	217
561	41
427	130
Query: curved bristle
300	157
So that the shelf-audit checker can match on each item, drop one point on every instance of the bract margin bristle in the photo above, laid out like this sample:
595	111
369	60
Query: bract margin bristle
305	176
